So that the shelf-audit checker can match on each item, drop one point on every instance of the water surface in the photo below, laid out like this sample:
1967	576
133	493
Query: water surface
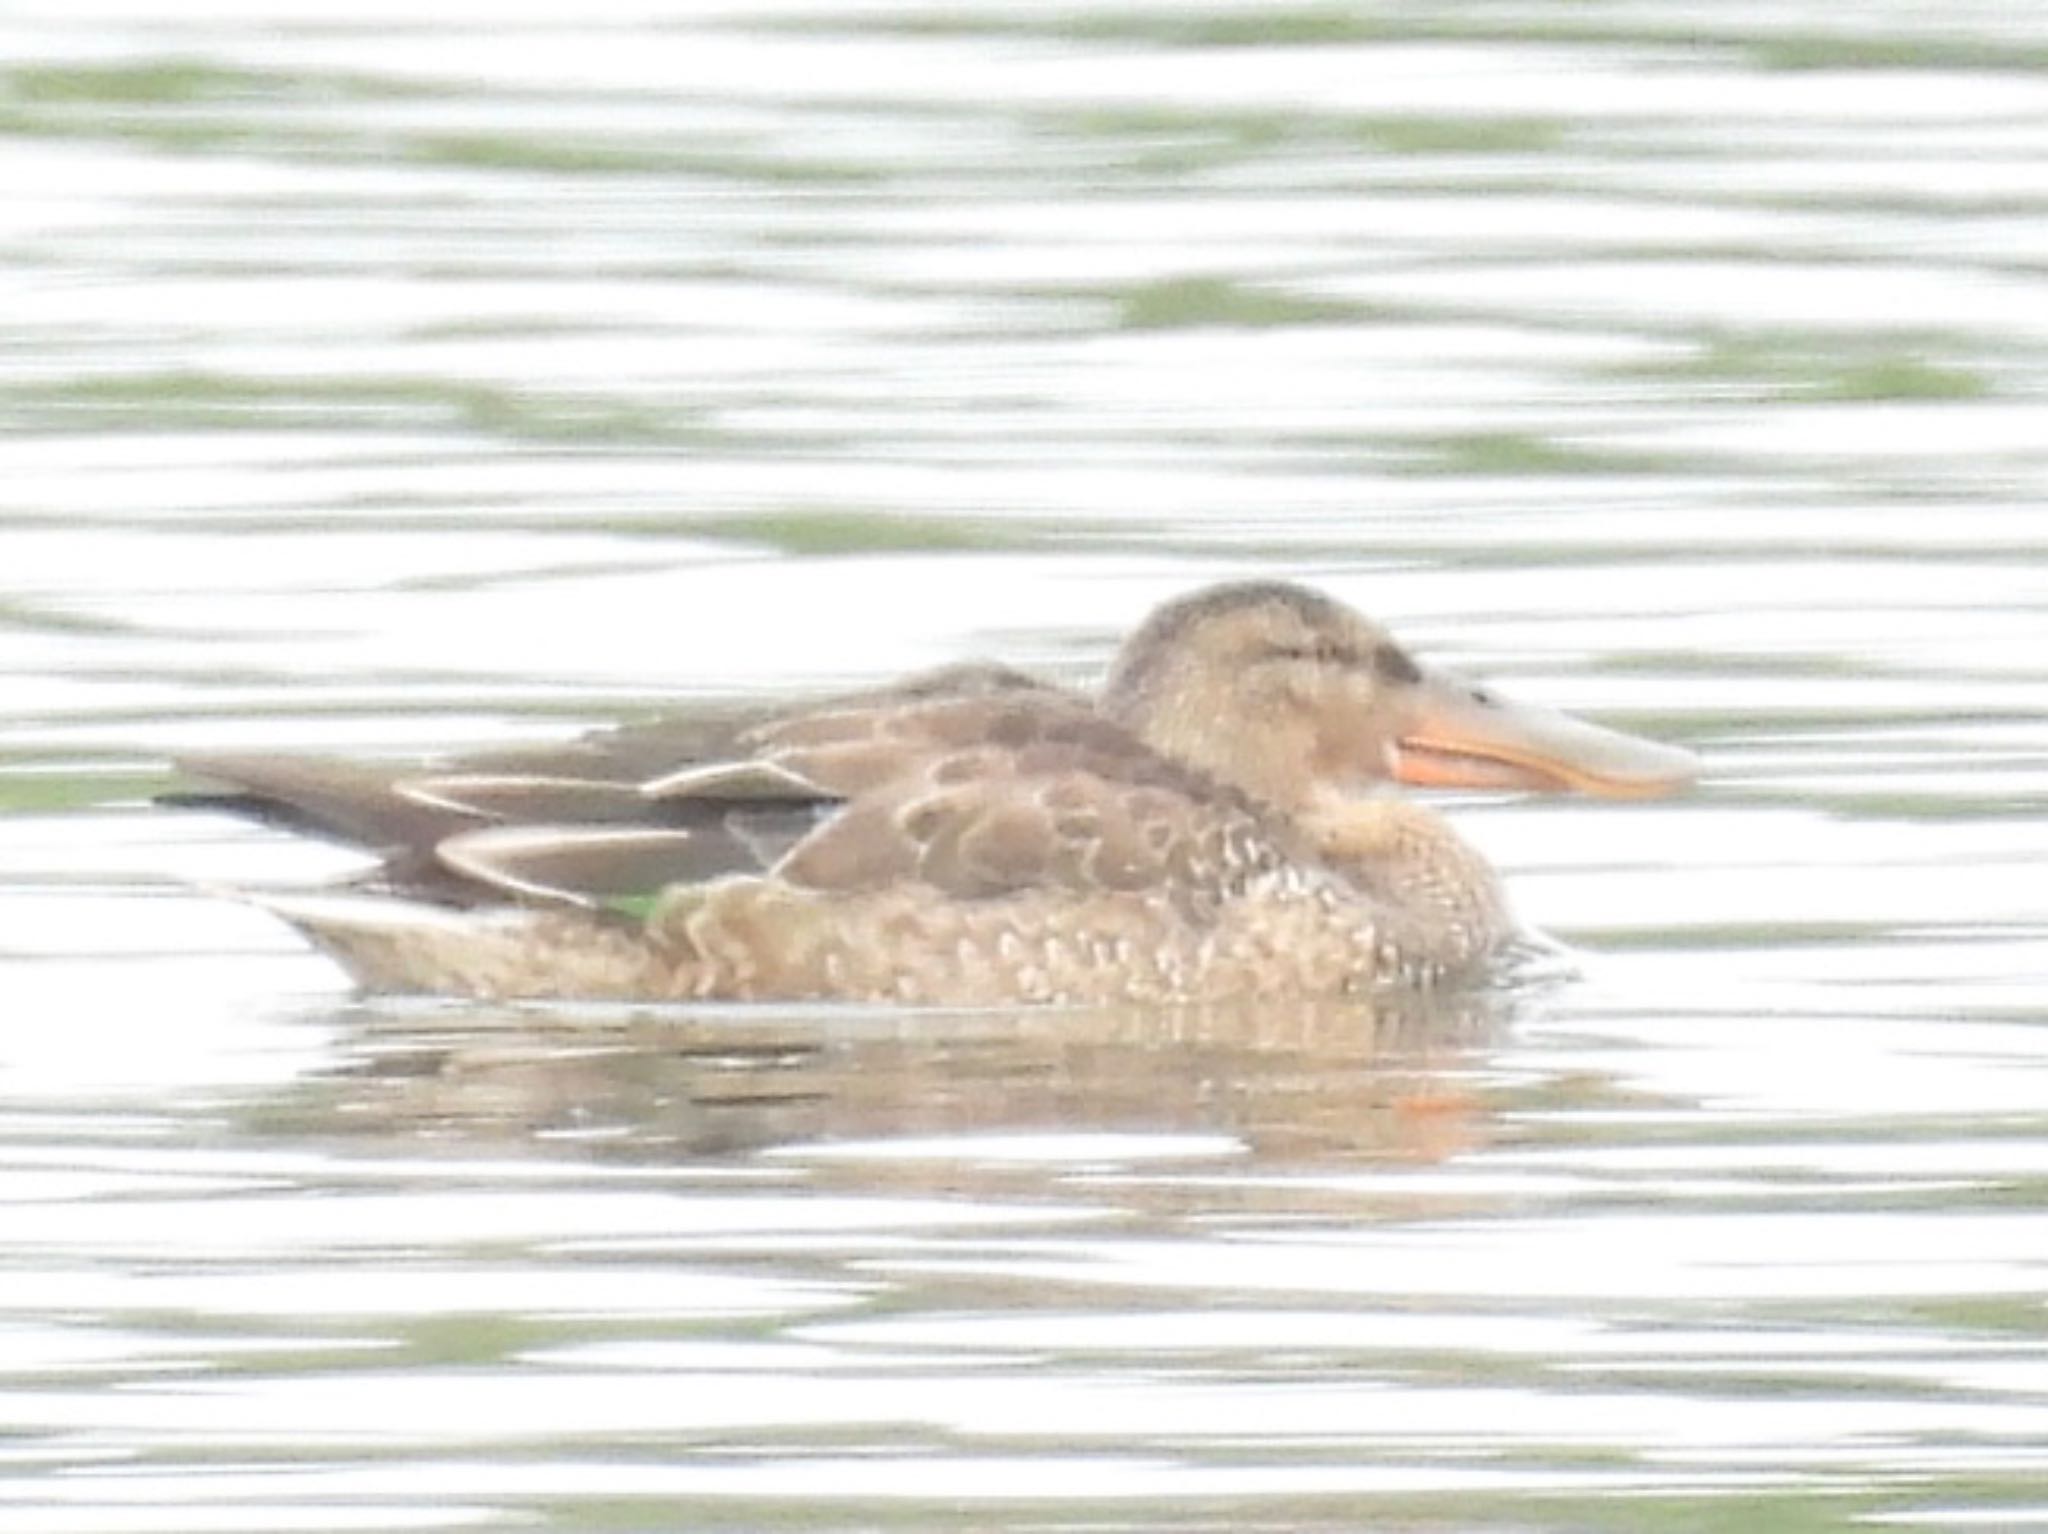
386	380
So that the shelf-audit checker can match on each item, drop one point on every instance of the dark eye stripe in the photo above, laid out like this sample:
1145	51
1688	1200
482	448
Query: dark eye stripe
1318	654
1390	663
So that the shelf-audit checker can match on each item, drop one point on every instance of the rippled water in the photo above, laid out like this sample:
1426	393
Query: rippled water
393	377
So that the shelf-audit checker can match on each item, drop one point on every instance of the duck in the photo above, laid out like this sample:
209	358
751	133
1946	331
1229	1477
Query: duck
1218	821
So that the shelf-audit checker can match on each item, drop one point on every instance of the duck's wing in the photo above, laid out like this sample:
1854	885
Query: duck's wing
715	733
967	793
578	806
1011	830
962	830
343	801
401	816
1000	793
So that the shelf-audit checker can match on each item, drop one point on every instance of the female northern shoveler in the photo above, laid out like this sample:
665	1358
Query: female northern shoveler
1209	826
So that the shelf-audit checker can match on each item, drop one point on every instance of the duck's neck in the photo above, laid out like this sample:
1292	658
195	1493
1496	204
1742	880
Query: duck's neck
1446	909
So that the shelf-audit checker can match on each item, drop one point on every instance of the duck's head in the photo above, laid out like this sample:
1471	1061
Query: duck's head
1295	698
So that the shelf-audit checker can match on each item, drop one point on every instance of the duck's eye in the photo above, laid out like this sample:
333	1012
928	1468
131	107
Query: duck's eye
1392	664
1327	653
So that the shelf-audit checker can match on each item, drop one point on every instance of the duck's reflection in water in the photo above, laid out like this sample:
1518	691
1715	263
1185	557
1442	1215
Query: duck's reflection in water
1378	1079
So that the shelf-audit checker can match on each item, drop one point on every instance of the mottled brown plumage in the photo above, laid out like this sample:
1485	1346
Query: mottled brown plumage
1213	825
